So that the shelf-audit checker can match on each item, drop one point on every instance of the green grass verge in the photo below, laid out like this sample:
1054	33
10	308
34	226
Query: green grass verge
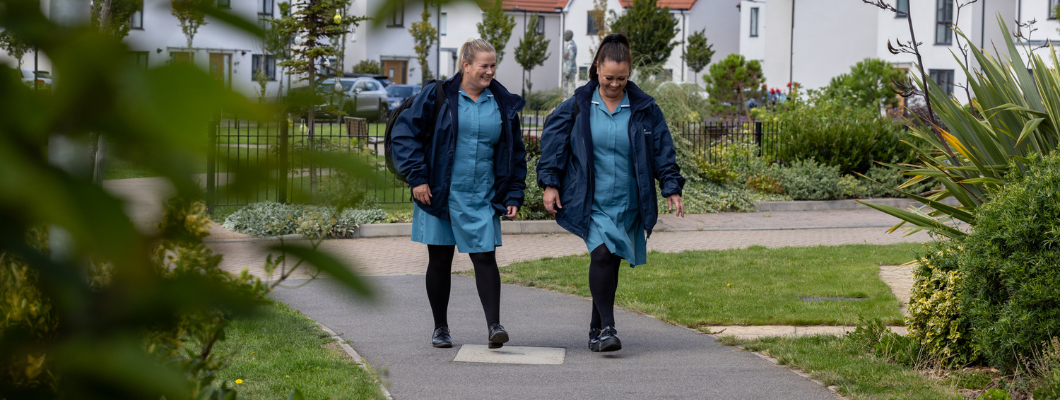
279	350
753	286
838	361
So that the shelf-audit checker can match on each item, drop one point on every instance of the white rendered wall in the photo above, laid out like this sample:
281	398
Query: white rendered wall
576	22
935	56
752	48
1047	29
721	21
509	72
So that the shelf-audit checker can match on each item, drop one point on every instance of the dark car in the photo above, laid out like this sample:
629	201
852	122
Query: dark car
396	94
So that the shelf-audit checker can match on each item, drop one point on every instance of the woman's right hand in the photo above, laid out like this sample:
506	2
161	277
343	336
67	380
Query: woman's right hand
551	199
422	193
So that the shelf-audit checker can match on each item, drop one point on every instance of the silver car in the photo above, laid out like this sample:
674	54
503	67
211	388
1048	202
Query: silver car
362	97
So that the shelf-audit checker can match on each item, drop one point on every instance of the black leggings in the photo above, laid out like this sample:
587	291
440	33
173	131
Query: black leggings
603	283
487	279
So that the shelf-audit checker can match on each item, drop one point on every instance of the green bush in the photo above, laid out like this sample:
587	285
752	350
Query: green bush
835	134
275	219
533	148
874	337
533	206
765	184
541	100
889	178
1010	265
936	317
808	180
995	394
367	67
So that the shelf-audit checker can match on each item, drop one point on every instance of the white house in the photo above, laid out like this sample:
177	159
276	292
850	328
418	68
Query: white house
1048	27
811	41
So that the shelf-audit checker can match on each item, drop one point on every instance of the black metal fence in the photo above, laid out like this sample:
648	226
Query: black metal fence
242	146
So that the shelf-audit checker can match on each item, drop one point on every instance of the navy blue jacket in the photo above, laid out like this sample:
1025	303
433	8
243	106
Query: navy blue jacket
432	162
567	157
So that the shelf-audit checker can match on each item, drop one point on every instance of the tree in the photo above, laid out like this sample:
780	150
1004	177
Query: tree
367	67
273	42
868	84
112	16
191	15
496	28
532	50
651	31
697	53
733	80
599	15
315	22
15	46
425	36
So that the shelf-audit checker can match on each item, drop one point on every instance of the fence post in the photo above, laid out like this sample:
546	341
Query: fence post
758	136
282	173
211	165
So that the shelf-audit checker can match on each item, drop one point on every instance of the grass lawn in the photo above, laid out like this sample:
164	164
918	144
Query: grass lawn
859	375
280	350
752	286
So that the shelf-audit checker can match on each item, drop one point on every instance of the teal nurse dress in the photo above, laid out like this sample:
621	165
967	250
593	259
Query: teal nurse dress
615	219
473	225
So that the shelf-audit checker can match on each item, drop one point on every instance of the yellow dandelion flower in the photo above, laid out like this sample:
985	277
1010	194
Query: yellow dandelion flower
728	285
239	381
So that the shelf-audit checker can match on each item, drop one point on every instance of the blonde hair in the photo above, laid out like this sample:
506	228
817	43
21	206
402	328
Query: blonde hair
472	48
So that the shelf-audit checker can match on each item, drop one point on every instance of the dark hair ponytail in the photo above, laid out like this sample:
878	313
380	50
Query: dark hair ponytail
614	48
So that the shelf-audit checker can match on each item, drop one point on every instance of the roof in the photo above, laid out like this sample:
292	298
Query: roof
673	4
534	5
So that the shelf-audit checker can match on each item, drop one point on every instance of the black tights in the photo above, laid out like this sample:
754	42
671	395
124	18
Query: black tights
603	283
487	279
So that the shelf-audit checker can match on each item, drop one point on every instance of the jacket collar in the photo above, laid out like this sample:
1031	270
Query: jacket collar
637	98
509	101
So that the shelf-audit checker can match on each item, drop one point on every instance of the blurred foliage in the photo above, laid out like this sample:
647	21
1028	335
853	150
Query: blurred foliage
543	99
732	82
869	84
113	16
495	28
698	53
109	310
533	204
367	67
191	15
652	31
424	35
532	50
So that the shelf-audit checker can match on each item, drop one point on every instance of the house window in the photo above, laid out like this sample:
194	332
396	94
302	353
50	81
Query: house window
266	7
754	21
903	9
136	21
943	19
263	63
138	59
443	24
1052	8
396	19
590	23
181	57
583	73
943	78
540	24
224	3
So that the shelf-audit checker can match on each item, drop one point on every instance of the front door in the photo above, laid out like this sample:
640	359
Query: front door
395	70
221	68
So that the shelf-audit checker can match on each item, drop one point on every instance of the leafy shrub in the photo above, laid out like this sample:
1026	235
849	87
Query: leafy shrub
995	394
889	178
835	134
400	216
868	84
367	67
533	204
850	187
765	184
936	317
717	172
533	148
24	307
275	219
1009	261
543	99
808	180
874	337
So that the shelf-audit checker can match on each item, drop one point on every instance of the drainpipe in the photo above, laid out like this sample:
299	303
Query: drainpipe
791	46
982	26
562	30
684	43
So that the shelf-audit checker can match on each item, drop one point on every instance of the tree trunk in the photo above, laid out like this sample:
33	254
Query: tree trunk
743	103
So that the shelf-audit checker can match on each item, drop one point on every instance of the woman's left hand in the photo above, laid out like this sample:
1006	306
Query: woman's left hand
512	210
674	202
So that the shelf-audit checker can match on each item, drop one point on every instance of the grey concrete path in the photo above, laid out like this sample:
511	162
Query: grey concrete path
658	361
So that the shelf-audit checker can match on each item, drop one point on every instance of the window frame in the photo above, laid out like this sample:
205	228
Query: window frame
269	61
392	19
267	7
137	16
1052	6
943	76
754	22
146	58
590	24
443	24
227	3
941	26
540	24
173	59
903	12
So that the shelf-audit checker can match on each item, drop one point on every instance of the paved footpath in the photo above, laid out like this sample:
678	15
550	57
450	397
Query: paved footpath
658	360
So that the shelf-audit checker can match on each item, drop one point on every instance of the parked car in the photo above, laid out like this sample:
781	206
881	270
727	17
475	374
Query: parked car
361	97
381	78
398	93
43	77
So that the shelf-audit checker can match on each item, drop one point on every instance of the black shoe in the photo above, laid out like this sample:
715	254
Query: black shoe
608	340
441	338
594	339
498	336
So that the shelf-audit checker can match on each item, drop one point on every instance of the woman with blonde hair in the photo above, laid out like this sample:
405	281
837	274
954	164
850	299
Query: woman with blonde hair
465	171
601	152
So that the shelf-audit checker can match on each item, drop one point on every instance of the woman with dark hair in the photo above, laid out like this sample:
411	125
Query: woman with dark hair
601	151
465	172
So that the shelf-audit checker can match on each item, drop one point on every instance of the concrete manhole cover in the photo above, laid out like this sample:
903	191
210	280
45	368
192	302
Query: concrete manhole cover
811	299
511	354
